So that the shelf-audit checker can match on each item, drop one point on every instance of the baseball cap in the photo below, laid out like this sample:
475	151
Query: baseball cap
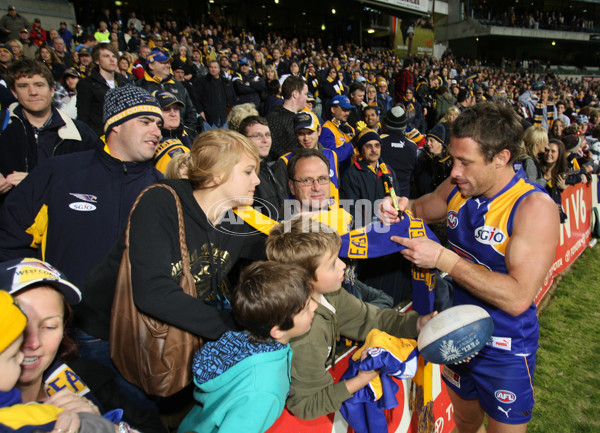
310	97
341	101
581	119
23	30
84	52
19	274
71	73
12	8
158	55
538	85
306	120
243	61
166	99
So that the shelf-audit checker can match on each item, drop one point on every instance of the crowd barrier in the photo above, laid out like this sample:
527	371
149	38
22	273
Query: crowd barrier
580	203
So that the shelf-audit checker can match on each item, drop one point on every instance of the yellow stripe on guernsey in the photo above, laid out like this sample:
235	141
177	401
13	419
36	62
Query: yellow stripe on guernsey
21	415
132	110
39	230
500	210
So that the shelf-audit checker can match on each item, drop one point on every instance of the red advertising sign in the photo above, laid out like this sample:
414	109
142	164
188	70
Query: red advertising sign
575	233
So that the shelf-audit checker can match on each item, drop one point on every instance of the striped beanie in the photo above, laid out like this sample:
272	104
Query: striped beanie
127	102
438	132
365	136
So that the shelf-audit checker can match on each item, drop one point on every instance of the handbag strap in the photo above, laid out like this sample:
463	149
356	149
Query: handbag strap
185	255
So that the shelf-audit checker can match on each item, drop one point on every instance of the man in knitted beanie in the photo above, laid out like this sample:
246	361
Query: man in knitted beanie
399	153
71	210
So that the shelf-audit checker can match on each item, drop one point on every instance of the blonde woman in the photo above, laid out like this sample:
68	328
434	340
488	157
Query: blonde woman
239	113
222	174
535	142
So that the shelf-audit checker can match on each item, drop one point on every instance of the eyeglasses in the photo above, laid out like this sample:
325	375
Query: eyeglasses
259	136
309	181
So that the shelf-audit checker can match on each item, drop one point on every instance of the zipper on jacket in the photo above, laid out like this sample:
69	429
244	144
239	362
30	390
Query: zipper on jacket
124	167
56	147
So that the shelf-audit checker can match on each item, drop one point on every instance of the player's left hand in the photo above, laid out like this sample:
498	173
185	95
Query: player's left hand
420	251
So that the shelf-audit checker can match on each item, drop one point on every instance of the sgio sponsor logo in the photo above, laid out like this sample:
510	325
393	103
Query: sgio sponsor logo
452	219
82	207
489	235
504	396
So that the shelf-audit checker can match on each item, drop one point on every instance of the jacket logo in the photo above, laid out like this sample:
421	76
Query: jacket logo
82	206
85	197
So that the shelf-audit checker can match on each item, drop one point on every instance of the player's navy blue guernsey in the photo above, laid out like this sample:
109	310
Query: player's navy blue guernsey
479	229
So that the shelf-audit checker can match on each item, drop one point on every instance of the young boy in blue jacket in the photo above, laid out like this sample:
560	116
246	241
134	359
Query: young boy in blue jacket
243	379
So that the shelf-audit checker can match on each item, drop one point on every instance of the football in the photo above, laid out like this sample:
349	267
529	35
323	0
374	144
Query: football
455	335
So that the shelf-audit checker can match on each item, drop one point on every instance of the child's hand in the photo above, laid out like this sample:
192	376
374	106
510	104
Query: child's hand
67	422
363	377
422	320
368	375
69	401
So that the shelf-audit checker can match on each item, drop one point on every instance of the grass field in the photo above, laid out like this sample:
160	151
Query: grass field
567	378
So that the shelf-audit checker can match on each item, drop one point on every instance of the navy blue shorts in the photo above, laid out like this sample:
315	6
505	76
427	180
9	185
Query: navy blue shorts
502	383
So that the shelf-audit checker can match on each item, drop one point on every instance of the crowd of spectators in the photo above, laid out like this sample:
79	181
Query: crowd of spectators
97	114
525	18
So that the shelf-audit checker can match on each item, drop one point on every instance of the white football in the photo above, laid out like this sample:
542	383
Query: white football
456	334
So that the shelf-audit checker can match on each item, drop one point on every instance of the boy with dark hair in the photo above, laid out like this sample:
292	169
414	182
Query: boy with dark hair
242	379
314	246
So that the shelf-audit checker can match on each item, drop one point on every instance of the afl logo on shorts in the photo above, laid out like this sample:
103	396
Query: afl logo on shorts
506	397
489	235
82	207
452	219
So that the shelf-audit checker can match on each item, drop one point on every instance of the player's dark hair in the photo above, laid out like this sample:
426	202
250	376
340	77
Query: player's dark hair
494	128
